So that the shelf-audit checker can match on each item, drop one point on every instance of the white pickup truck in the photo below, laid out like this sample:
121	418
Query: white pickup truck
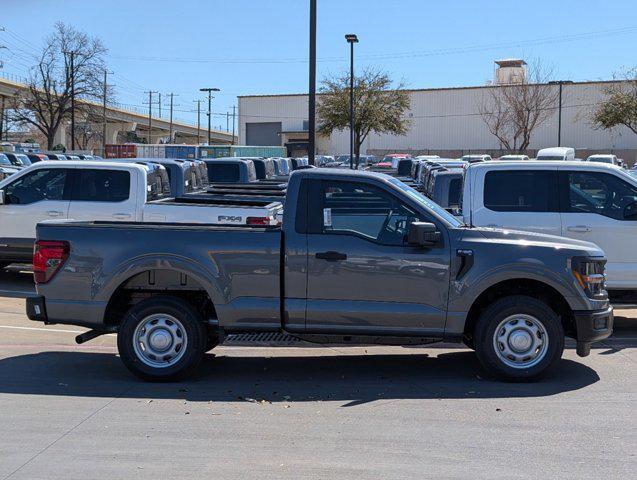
106	191
588	201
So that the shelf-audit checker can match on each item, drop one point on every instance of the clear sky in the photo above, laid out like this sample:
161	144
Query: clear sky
261	46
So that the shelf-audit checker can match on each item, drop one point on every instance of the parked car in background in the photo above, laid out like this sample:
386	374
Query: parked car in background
56	156
588	201
19	160
475	158
556	153
604	158
423	277
427	157
37	157
230	170
392	159
104	191
445	188
518	158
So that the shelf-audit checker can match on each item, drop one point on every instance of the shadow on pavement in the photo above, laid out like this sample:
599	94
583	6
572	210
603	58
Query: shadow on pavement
353	379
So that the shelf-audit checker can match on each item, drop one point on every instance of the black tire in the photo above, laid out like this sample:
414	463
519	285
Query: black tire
485	341
193	331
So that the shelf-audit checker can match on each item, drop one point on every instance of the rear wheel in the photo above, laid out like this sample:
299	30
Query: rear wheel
162	339
518	338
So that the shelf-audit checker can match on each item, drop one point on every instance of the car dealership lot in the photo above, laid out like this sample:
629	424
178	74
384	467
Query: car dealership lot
307	411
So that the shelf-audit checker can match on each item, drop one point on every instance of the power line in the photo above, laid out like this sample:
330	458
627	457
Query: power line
589	35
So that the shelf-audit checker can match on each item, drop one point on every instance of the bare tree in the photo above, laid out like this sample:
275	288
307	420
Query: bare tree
619	108
513	112
46	104
377	106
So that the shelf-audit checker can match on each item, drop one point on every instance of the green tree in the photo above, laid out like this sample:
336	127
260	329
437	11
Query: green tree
619	108
378	107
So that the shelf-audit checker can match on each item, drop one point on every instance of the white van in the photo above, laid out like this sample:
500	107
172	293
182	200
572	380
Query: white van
556	153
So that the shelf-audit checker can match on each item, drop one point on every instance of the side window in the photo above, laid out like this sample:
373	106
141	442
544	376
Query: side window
37	186
601	193
101	186
521	191
365	211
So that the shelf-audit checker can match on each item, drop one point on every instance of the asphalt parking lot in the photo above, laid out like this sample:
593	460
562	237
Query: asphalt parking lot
72	411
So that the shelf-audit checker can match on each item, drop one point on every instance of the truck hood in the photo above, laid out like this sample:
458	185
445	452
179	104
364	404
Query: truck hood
532	239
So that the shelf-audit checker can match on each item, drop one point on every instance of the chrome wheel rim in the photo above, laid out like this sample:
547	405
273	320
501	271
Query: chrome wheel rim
520	341
160	340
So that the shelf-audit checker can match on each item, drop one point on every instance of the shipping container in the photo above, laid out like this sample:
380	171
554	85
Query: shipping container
212	151
151	151
181	151
128	150
218	151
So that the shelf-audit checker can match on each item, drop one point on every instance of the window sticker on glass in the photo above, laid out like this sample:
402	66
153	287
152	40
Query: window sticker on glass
327	217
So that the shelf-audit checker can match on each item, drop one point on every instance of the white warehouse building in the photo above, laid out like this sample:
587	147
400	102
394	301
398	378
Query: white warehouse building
443	121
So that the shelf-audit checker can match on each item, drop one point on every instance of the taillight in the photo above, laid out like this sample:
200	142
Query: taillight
258	221
48	258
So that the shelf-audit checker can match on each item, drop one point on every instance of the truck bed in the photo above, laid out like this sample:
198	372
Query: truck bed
238	266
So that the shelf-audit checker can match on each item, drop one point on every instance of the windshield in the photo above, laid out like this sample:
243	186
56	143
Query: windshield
4	160
422	200
24	159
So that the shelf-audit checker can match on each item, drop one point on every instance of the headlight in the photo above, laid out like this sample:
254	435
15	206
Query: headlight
589	272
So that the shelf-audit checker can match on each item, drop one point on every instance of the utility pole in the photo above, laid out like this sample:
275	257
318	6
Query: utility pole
233	115
104	94
2	117
171	95
150	114
198	119
209	90
159	104
560	83
351	39
72	77
227	122
312	99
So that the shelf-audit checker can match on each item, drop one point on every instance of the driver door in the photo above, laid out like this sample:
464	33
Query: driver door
362	276
41	194
599	207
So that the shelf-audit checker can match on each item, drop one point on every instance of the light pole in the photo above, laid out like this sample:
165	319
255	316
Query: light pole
209	90
559	110
311	144
351	39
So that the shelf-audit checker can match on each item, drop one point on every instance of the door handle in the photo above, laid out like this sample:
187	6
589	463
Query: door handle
579	228
54	213
121	216
331	256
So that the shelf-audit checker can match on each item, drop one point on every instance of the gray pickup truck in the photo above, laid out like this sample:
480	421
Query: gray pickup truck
360	258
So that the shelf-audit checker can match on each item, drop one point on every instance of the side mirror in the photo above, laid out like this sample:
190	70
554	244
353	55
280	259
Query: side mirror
1	197
423	234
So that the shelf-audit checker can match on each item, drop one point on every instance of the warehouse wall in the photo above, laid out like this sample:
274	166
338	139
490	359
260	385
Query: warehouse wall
448	120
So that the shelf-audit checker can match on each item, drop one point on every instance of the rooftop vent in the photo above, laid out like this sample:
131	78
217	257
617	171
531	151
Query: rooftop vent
510	71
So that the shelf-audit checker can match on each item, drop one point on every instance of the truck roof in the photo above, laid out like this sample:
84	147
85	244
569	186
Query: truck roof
540	164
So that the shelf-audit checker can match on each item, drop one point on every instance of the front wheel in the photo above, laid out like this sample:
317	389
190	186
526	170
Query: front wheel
162	339
518	338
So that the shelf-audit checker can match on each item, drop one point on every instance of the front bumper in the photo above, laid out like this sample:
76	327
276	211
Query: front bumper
592	326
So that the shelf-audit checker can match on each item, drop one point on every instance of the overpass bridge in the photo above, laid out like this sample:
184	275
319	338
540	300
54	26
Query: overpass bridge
120	119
